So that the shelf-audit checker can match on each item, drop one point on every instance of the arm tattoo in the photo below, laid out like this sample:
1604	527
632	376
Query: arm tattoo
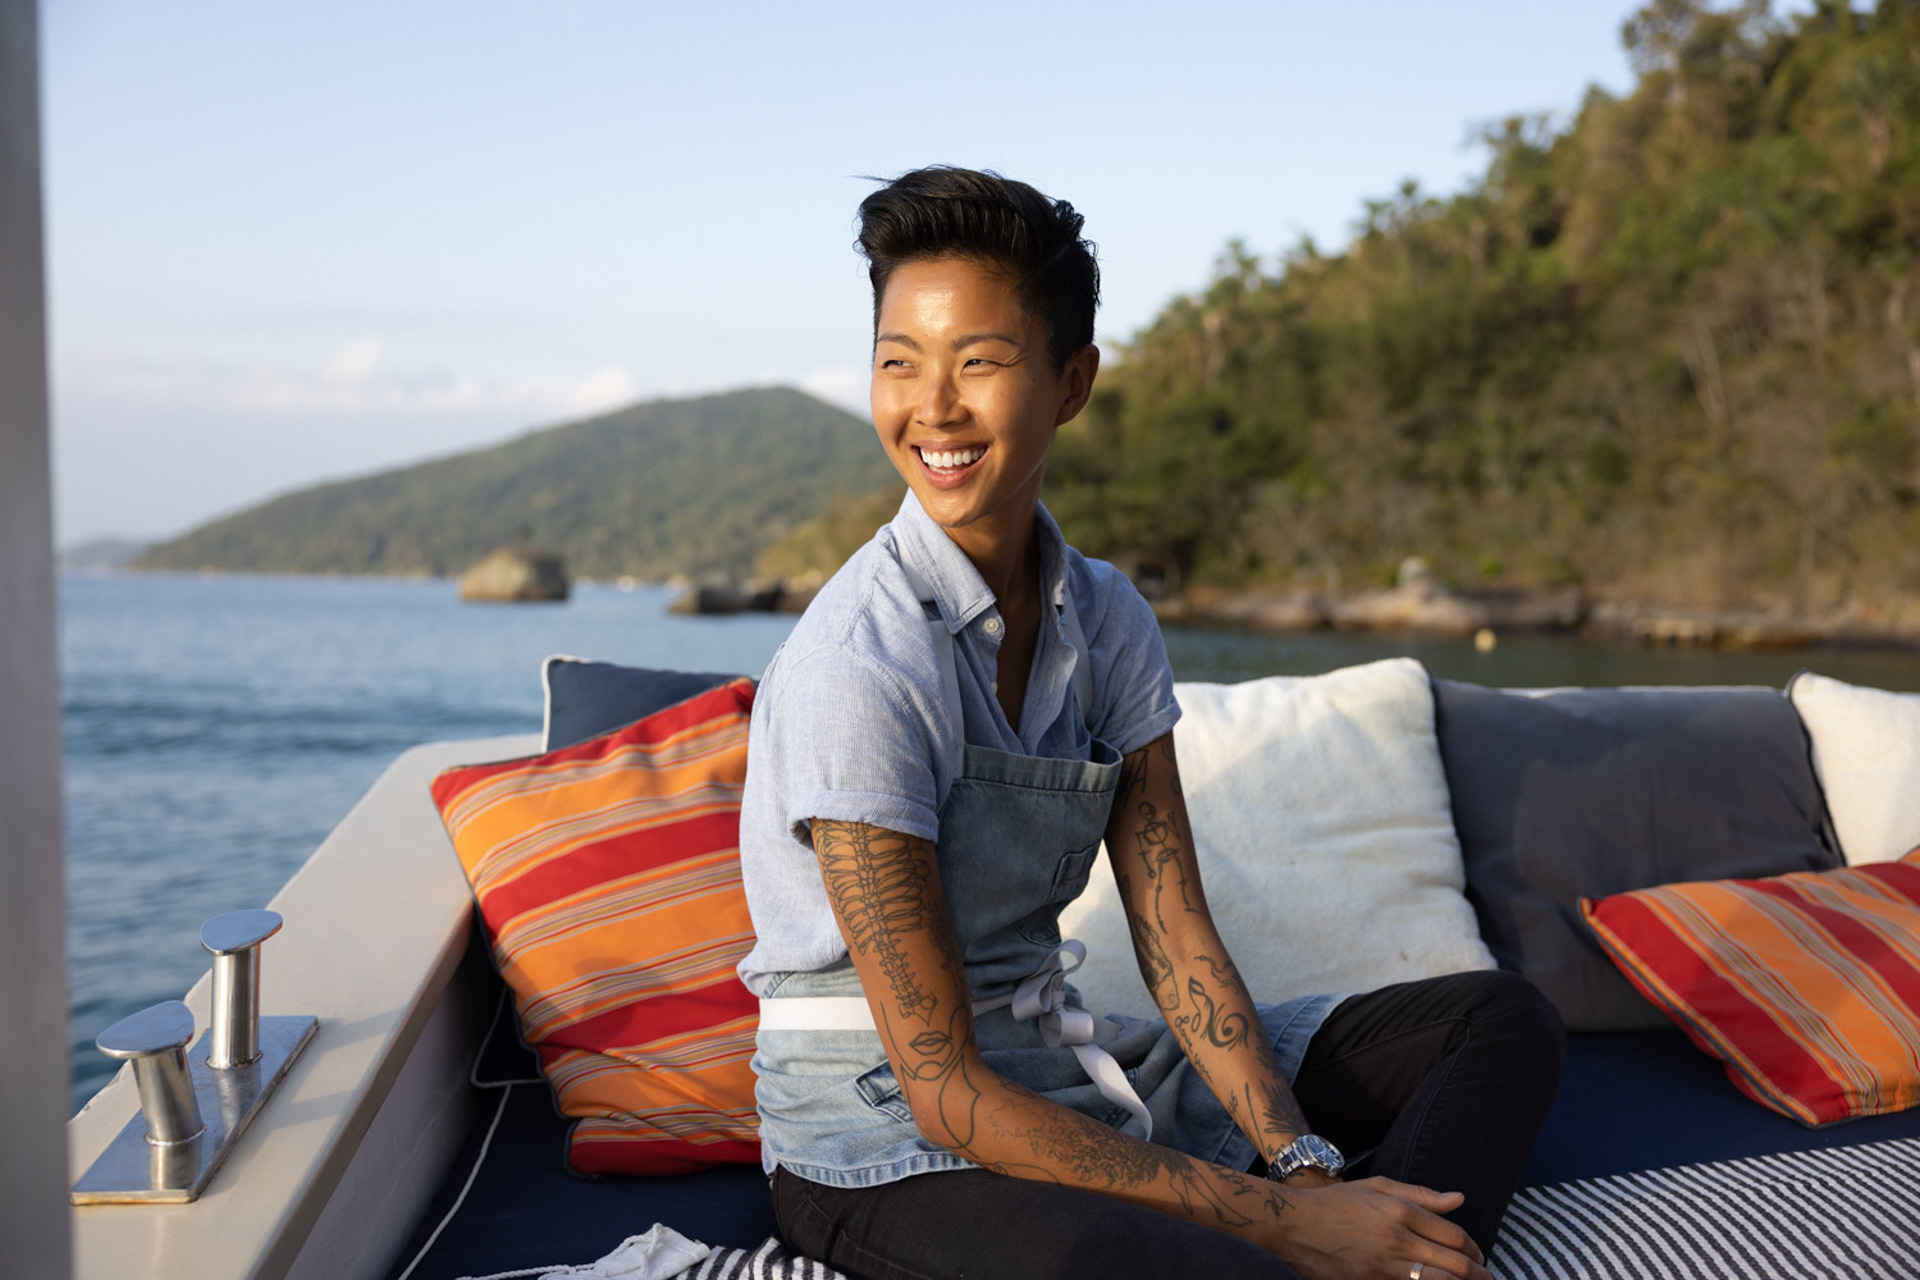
1221	1028
1126	1164
1156	967
880	891
1280	1115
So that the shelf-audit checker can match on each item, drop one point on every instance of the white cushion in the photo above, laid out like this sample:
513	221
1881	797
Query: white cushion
1866	752
1325	836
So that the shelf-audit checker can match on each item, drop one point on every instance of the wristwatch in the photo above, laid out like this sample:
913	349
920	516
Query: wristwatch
1308	1151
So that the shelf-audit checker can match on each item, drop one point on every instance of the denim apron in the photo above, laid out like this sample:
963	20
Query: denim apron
1018	837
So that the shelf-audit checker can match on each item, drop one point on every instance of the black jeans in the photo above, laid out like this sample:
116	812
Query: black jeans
1442	1082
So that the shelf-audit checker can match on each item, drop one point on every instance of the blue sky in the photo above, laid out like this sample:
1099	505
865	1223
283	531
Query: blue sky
290	242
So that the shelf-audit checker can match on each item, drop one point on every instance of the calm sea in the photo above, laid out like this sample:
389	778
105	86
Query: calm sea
216	728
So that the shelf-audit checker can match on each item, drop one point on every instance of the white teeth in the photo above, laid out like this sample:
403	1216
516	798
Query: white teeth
949	459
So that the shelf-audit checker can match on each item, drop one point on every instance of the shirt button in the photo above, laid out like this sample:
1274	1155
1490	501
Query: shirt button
993	626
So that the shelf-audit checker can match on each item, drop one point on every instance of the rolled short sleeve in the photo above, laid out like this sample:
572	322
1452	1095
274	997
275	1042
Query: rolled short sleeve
849	741
1133	682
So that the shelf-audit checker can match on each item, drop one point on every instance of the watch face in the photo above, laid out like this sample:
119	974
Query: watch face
1318	1151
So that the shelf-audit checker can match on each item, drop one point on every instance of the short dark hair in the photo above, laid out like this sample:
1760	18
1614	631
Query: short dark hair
942	212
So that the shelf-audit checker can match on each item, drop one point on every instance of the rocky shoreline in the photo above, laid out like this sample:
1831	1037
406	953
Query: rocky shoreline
1420	605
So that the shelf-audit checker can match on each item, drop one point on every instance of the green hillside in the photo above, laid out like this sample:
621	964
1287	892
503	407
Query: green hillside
1668	348
690	486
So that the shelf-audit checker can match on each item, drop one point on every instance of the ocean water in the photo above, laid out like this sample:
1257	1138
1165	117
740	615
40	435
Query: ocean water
215	729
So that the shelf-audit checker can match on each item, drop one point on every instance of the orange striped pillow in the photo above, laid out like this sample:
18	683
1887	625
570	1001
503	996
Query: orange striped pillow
608	878
1807	986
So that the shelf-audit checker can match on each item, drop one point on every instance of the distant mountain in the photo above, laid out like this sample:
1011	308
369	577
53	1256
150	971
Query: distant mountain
694	486
100	555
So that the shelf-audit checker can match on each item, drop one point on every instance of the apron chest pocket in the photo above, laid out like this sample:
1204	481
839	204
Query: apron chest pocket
1070	877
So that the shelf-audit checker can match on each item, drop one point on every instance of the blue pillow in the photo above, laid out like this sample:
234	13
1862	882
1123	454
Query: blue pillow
1590	792
587	699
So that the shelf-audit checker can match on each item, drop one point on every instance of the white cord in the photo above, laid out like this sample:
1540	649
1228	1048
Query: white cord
506	1091
530	1271
473	1072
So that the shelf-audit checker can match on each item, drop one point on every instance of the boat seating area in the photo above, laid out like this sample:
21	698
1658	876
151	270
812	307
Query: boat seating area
1471	807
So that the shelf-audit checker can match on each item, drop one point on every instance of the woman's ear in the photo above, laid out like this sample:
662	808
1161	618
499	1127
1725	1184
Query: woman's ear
1076	381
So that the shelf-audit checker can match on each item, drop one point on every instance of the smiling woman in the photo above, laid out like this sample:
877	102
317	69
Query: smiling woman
967	710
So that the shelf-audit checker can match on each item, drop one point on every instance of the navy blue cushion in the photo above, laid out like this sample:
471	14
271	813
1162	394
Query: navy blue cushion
587	699
527	1209
1634	1100
1587	792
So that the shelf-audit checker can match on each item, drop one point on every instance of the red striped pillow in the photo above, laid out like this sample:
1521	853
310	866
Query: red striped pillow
1807	986
608	880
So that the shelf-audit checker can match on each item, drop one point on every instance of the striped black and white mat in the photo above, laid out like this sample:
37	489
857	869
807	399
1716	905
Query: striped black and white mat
1843	1213
770	1261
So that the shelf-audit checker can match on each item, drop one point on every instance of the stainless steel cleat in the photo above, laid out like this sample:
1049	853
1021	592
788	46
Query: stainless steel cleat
196	1101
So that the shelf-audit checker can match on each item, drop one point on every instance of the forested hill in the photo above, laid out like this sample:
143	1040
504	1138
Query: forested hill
1670	348
692	486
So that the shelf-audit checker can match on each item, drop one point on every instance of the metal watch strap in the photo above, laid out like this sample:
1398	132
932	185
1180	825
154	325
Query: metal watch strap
1308	1151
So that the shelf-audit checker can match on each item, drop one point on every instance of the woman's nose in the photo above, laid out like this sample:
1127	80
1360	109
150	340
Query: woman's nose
938	403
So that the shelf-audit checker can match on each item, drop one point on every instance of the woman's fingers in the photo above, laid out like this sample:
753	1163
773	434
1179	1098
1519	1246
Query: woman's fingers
1381	1229
1430	1224
1426	1197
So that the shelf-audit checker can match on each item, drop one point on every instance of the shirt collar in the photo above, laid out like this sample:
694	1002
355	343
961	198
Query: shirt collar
958	589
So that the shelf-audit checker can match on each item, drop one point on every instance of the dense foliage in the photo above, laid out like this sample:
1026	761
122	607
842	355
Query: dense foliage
673	486
1670	348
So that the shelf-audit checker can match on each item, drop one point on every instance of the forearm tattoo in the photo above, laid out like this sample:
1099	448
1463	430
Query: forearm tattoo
1153	877
1223	1029
1280	1116
1223	1198
880	892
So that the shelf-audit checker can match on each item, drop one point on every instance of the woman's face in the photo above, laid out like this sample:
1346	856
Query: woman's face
966	400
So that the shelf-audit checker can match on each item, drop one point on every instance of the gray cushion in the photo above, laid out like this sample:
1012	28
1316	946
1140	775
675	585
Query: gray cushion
1587	792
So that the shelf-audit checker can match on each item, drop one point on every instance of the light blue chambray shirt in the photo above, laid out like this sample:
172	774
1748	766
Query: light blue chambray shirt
850	722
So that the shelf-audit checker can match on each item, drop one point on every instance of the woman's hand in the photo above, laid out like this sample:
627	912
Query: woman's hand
1377	1229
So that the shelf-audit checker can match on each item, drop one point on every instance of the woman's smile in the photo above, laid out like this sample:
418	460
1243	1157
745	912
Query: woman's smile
966	399
950	466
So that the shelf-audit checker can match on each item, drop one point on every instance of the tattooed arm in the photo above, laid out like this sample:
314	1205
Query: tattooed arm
1197	988
886	894
1186	966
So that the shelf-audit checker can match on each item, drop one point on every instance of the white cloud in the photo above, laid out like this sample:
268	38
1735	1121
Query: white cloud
357	378
601	390
844	385
357	361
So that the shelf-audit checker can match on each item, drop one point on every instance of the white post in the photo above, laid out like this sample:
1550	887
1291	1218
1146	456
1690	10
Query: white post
34	1217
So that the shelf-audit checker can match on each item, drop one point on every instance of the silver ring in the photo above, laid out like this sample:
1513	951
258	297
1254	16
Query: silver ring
1419	1269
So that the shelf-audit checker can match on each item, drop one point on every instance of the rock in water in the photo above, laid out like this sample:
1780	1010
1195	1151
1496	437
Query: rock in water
515	573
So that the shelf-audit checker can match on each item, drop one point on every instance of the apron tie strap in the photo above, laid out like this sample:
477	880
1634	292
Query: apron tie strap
1041	998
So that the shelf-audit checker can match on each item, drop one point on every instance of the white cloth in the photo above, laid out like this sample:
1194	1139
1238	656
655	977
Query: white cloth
659	1253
